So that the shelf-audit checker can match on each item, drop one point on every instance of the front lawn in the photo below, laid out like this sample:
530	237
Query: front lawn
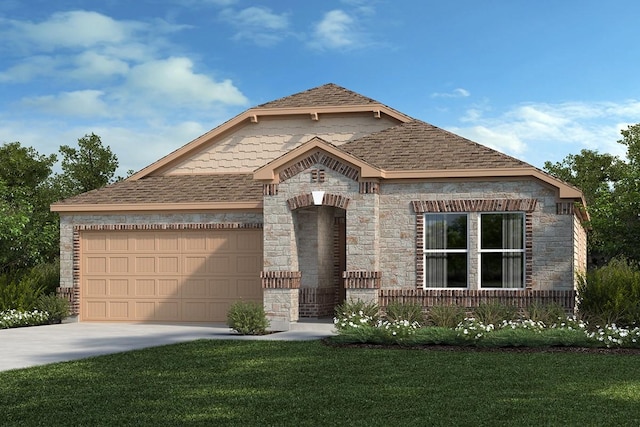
213	383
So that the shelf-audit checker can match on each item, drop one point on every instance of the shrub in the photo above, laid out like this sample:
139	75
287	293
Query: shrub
493	313
355	313
397	311
17	318
57	307
19	293
446	316
247	318
610	294
545	313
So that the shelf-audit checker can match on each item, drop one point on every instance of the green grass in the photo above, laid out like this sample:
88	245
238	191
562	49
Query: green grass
266	383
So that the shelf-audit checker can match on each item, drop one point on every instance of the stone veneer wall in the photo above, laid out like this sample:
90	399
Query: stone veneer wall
552	233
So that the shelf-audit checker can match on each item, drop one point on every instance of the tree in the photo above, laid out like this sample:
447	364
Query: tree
611	187
28	230
87	167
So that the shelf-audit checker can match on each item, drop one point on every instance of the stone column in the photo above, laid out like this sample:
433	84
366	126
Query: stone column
362	285
281	298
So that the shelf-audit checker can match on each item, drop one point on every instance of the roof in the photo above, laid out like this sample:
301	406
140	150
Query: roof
178	190
329	94
417	145
412	149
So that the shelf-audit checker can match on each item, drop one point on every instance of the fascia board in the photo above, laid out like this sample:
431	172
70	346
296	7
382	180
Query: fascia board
149	207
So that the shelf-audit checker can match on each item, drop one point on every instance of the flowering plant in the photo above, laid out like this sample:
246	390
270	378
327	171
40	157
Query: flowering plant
16	318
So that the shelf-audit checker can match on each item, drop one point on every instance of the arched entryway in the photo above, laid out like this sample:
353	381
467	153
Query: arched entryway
320	234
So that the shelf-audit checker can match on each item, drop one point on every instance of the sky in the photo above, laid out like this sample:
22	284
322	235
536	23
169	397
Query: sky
537	80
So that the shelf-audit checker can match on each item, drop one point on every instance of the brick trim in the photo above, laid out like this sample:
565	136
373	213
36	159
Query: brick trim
270	189
369	187
280	279
329	199
362	279
471	298
475	205
320	157
77	296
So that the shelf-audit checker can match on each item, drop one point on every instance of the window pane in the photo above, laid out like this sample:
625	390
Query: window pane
446	270
502	231
445	231
502	270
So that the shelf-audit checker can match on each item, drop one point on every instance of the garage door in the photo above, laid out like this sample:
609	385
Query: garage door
166	275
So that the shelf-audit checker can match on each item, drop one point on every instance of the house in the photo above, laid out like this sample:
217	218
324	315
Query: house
313	198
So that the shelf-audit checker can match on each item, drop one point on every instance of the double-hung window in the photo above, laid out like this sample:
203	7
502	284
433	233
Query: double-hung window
445	250
502	250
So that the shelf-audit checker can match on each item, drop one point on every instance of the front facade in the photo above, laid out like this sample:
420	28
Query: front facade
312	199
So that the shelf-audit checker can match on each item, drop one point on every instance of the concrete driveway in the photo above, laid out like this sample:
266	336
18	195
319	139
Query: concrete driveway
39	345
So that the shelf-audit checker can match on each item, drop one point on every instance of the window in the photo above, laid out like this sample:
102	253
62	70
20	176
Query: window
502	250
445	250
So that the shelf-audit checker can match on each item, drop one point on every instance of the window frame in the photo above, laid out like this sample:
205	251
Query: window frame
523	251
445	251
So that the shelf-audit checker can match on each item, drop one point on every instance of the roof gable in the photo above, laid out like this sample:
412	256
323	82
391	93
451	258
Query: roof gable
329	94
315	151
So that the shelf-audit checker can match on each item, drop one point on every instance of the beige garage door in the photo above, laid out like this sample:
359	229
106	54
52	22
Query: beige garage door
175	276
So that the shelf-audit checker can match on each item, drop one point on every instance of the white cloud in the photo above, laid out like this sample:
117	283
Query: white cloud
456	93
73	29
81	103
335	31
173	80
92	65
538	132
257	24
28	69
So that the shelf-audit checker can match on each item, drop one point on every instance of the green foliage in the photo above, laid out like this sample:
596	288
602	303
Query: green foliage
610	294
19	318
247	318
545	313
409	311
446	316
19	293
494	312
28	230
87	167
365	309
611	188
57	307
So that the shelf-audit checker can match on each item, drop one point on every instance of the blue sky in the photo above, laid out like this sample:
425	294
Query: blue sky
535	79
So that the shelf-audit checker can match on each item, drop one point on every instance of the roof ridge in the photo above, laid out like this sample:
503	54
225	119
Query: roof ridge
327	94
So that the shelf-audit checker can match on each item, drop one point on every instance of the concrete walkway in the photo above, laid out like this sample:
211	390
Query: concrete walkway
39	345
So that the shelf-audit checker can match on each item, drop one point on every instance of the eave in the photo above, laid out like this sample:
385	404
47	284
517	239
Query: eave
156	207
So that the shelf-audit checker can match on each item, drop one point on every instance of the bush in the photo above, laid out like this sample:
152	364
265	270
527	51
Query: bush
247	318
19	293
546	313
355	313
494	313
57	307
446	316
610	294
19	318
397	311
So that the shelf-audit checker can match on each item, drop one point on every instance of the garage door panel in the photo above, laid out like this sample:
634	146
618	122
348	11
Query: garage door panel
195	265
96	264
169	287
168	311
119	310
145	288
162	275
119	288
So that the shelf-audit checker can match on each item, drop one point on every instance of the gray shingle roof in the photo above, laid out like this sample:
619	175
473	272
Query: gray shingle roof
417	145
175	189
329	94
